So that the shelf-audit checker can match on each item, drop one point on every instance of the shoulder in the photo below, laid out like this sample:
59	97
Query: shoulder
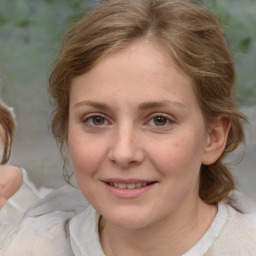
238	236
44	230
39	235
242	224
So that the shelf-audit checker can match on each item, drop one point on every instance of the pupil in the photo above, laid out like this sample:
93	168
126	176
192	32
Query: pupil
98	120
160	120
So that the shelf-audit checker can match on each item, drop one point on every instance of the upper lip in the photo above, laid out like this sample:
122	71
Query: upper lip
127	181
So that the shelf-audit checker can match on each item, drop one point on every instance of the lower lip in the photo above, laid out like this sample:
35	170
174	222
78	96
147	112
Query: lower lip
128	193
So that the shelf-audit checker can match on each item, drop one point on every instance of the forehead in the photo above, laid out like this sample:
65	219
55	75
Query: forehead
141	70
145	55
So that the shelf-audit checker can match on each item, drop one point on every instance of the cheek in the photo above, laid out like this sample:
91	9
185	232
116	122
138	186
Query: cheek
179	157
86	154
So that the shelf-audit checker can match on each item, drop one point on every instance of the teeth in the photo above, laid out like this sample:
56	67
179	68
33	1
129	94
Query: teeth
138	185
128	186
121	185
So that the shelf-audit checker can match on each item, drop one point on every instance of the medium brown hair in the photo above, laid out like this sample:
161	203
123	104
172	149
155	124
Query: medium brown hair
190	34
8	123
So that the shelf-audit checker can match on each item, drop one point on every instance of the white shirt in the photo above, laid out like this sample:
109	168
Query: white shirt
64	224
13	211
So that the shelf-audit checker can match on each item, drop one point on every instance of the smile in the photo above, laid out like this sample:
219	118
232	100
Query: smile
130	185
129	188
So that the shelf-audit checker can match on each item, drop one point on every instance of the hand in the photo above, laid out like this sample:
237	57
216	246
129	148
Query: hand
10	181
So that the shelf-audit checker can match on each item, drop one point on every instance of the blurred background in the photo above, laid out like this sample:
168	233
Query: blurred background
30	33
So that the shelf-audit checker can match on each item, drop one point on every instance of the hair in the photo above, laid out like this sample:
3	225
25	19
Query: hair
7	121
190	34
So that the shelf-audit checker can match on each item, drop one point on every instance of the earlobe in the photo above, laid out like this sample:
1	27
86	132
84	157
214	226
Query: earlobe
216	141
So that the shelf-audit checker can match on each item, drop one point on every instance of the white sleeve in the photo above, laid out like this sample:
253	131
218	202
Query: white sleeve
12	213
44	229
40	236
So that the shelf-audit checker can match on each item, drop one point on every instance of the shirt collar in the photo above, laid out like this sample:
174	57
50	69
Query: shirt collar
84	234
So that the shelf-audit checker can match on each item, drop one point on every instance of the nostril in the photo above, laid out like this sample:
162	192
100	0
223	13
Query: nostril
125	152
125	163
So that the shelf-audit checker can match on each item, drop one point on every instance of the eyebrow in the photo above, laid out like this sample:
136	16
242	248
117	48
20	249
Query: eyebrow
142	106
159	104
93	104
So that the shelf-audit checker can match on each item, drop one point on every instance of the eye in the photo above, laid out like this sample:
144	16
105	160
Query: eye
159	120
98	120
95	120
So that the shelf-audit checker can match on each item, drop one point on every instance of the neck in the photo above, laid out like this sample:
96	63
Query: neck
173	235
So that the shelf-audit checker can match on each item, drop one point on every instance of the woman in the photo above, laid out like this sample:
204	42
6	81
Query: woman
143	97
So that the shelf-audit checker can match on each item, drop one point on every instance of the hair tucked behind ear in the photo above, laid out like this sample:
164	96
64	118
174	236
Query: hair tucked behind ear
8	123
216	181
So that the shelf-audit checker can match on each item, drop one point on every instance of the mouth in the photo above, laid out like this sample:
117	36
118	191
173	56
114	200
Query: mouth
133	185
129	189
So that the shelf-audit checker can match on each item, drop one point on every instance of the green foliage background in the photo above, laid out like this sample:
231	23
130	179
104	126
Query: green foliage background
30	32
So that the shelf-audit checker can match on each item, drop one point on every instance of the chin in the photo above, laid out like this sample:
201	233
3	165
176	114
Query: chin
128	220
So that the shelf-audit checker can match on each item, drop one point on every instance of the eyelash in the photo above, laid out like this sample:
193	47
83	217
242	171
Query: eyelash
167	120
88	120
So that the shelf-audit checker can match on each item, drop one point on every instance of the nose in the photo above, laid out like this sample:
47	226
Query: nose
126	149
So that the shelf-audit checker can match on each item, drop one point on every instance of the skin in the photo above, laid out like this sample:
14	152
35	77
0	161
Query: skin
11	177
135	116
11	180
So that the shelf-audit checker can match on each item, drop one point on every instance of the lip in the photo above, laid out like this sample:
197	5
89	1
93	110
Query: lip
127	181
128	193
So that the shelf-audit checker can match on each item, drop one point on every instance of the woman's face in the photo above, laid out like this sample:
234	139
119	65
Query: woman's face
136	136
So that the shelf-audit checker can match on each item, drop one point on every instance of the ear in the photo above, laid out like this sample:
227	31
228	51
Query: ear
216	140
